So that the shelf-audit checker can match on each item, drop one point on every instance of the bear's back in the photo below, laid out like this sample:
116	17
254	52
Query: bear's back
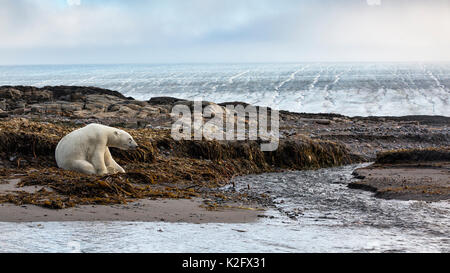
80	142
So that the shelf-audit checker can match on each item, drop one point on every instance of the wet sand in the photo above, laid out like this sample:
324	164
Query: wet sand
145	210
425	181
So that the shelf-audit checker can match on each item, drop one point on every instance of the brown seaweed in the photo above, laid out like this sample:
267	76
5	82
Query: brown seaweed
161	167
414	155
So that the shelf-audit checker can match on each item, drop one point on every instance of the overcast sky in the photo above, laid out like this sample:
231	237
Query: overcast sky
171	31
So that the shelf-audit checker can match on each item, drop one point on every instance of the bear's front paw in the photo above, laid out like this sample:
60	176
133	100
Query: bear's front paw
102	172
112	170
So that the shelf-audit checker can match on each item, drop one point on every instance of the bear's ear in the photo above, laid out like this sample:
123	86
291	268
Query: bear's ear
117	133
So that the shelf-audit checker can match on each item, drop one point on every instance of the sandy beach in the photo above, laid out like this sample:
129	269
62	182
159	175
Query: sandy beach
193	210
144	210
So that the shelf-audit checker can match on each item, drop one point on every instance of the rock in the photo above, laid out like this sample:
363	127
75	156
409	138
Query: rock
37	109
18	111
125	110
78	93
136	102
71	107
317	121
323	121
164	100
3	114
152	110
132	106
34	95
95	107
20	104
113	108
77	96
3	105
10	93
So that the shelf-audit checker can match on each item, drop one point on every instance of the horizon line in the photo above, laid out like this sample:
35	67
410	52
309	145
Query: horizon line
230	63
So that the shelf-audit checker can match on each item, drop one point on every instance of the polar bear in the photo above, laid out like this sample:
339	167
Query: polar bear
86	149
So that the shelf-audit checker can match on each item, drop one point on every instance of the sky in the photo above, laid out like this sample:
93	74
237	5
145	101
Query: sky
204	31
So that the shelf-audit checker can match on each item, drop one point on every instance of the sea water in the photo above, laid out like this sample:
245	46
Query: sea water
363	89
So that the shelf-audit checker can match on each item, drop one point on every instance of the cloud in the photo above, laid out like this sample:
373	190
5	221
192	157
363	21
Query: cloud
407	30
131	22
223	30
74	2
373	2
31	24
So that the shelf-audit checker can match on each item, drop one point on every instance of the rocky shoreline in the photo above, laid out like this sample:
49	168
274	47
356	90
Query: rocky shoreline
32	120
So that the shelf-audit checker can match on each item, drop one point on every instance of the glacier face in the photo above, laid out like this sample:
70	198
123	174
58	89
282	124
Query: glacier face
347	88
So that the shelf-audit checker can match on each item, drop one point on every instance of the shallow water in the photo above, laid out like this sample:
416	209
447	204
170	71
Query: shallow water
315	212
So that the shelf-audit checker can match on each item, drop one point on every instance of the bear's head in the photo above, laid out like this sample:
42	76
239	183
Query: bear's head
122	140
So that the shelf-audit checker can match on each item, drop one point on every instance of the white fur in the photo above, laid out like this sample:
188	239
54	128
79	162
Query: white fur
86	149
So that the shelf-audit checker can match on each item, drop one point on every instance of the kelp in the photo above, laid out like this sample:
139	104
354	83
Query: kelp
413	155
160	167
309	154
61	189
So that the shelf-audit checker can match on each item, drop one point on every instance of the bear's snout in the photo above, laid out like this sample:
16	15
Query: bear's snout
133	146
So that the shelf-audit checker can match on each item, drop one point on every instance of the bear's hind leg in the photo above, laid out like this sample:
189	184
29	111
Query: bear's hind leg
83	166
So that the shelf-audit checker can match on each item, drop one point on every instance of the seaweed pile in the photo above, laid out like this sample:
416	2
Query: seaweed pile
160	167
414	155
61	189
